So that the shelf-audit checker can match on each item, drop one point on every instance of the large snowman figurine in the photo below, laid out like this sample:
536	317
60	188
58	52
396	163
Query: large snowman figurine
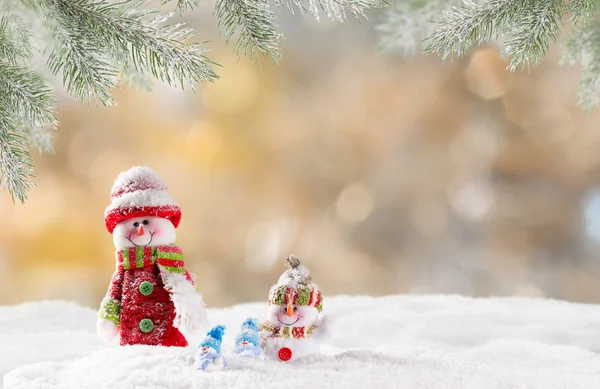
293	317
152	298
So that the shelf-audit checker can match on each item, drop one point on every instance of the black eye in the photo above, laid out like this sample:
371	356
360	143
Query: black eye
295	309
145	222
136	224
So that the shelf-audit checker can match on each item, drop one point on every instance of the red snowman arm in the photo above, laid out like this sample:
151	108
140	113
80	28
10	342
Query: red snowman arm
188	276
110	308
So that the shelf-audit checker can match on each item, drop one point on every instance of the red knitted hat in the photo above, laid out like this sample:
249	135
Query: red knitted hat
140	192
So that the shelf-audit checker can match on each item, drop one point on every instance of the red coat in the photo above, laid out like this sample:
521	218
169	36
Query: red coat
147	311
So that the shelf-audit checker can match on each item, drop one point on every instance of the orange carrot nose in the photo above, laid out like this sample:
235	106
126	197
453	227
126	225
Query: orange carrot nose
290	310
141	231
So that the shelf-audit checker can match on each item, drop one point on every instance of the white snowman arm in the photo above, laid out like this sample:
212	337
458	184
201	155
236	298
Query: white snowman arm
322	327
106	329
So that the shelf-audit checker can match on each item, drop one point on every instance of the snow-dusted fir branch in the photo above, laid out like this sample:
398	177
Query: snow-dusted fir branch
15	36
530	37
99	29
16	168
469	25
23	92
582	10
524	29
86	72
256	27
94	45
335	10
255	24
584	46
26	108
184	6
408	23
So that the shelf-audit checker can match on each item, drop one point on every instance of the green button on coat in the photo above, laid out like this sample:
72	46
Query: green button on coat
146	325
146	288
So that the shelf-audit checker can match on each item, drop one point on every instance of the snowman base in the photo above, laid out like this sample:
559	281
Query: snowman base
281	349
212	364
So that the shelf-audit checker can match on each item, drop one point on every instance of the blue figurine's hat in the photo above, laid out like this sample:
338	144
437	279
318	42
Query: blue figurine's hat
249	332
214	338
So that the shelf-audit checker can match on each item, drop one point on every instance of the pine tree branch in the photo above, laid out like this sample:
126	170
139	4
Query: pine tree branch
256	25
525	29
107	28
584	45
582	10
26	109
184	6
408	23
41	139
465	27
162	51
530	27
16	168
23	91
94	44
86	73
335	10
15	42
538	25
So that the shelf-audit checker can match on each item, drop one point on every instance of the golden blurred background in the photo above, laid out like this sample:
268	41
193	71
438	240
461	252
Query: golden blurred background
385	175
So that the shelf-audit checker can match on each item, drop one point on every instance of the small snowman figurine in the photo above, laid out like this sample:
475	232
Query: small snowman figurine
293	317
209	352
247	341
152	297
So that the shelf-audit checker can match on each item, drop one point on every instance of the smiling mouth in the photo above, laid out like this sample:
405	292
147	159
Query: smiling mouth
287	324
137	245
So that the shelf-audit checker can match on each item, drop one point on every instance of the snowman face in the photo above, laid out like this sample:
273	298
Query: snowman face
244	345
144	231
294	316
206	350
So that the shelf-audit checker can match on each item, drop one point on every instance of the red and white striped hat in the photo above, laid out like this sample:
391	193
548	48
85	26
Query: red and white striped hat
295	287
140	192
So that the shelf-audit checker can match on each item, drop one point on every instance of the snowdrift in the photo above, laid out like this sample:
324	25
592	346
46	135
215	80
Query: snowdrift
409	342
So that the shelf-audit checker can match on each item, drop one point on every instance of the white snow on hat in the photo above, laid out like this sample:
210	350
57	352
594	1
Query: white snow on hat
137	192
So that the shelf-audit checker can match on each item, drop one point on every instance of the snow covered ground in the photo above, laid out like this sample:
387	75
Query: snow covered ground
409	342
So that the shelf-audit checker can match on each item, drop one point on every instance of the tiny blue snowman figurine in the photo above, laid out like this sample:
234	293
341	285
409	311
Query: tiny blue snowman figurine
209	353
247	341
